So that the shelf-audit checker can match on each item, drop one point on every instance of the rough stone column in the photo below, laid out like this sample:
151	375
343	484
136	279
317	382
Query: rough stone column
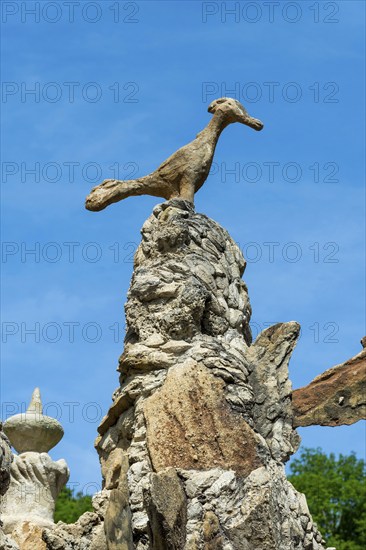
193	446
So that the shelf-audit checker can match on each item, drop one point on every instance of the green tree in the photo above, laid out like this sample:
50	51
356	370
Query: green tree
69	507
336	493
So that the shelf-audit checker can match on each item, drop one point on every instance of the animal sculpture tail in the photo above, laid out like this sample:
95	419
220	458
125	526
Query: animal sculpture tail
111	191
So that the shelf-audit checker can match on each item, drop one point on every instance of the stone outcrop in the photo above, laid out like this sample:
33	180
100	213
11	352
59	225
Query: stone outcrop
86	534
334	398
193	446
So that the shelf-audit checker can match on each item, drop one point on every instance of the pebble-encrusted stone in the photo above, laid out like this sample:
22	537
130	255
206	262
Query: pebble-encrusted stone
193	446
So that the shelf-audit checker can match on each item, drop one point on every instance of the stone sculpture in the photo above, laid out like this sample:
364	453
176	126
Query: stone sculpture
193	446
33	431
335	397
192	449
35	479
184	172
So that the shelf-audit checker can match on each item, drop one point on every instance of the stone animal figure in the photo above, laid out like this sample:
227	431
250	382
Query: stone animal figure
184	172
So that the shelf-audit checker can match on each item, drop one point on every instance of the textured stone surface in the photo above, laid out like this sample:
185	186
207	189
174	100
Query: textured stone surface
86	534
336	397
193	446
200	259
6	458
194	443
31	480
36	480
28	536
191	425
262	511
7	543
184	172
167	510
272	389
117	521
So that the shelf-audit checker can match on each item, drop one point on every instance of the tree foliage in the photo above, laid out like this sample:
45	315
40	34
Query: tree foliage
69	507
336	493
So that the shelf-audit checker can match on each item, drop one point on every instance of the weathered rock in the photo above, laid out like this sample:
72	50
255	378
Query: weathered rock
193	446
191	425
29	536
117	521
197	306
6	458
36	481
192	449
167	511
272	412
7	543
86	534
336	397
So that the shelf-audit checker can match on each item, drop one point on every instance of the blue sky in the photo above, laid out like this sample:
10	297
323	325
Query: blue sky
122	85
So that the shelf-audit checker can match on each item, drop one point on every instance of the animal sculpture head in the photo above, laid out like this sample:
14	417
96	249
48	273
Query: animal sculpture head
234	111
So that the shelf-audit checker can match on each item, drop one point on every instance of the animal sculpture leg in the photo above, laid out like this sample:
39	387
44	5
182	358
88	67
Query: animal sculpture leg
186	188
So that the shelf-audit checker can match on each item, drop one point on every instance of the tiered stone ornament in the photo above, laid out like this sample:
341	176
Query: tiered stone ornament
32	431
35	479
